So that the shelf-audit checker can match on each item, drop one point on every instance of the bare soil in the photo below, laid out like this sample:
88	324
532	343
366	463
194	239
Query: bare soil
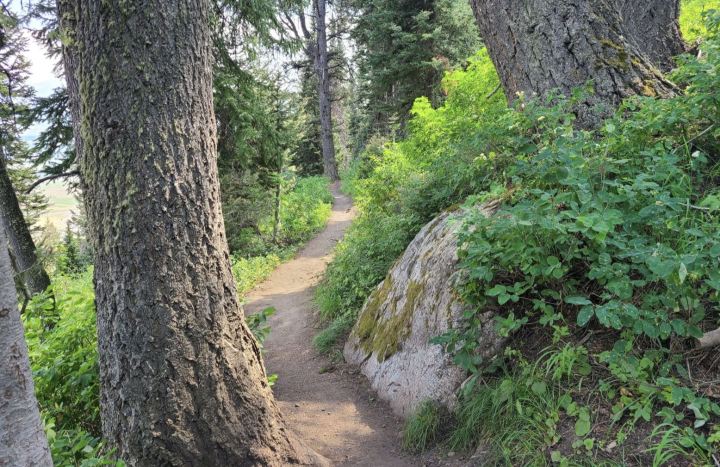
327	403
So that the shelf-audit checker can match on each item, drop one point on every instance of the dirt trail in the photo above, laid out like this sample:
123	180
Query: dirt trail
331	408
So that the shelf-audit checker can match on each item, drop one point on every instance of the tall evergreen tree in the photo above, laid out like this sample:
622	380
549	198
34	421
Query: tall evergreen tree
322	70
307	156
251	141
15	172
404	47
182	377
310	30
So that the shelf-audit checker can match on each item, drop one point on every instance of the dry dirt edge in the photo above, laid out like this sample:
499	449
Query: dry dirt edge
328	405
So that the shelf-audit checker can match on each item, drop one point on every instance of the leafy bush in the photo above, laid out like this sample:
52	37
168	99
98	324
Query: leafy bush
63	352
378	240
400	186
249	272
617	232
305	206
691	18
304	211
75	447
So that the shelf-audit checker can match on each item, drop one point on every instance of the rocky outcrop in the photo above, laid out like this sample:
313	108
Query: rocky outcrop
416	302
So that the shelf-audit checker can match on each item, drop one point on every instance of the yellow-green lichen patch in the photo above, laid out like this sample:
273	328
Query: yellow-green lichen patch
648	89
384	336
369	316
620	59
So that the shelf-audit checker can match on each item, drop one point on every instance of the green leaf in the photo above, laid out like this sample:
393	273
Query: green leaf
682	273
582	425
585	315
497	290
539	388
650	330
578	300
661	268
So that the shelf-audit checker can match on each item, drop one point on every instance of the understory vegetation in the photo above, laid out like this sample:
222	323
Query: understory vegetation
305	205
601	266
399	187
62	338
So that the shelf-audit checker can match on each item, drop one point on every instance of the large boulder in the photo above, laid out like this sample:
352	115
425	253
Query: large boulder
416	302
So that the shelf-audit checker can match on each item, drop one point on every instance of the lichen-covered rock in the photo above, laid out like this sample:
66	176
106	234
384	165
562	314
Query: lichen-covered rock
416	302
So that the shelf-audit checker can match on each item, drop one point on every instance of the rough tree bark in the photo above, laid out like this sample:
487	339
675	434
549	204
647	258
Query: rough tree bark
22	439
70	57
182	378
541	45
22	247
654	28
323	73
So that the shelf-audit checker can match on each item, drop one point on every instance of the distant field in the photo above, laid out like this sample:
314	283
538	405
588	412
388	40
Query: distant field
61	205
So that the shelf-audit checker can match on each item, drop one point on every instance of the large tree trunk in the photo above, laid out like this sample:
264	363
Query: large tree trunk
22	439
323	74
654	28
541	45
31	273
182	378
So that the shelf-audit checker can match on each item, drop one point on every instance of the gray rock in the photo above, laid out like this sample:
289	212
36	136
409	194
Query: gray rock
416	302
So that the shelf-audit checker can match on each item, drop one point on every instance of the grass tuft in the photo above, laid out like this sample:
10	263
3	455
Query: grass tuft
423	429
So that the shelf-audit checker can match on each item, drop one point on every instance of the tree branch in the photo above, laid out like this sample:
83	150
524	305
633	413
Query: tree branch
42	180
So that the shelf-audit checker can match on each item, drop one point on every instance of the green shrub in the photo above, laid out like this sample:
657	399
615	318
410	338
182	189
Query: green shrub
63	353
75	447
326	339
304	211
616	231
523	415
305	206
362	260
249	272
399	187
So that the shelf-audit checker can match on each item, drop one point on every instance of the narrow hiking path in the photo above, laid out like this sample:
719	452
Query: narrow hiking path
330	407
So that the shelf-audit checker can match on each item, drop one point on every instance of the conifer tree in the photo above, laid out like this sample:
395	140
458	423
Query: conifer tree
182	377
16	174
404	47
